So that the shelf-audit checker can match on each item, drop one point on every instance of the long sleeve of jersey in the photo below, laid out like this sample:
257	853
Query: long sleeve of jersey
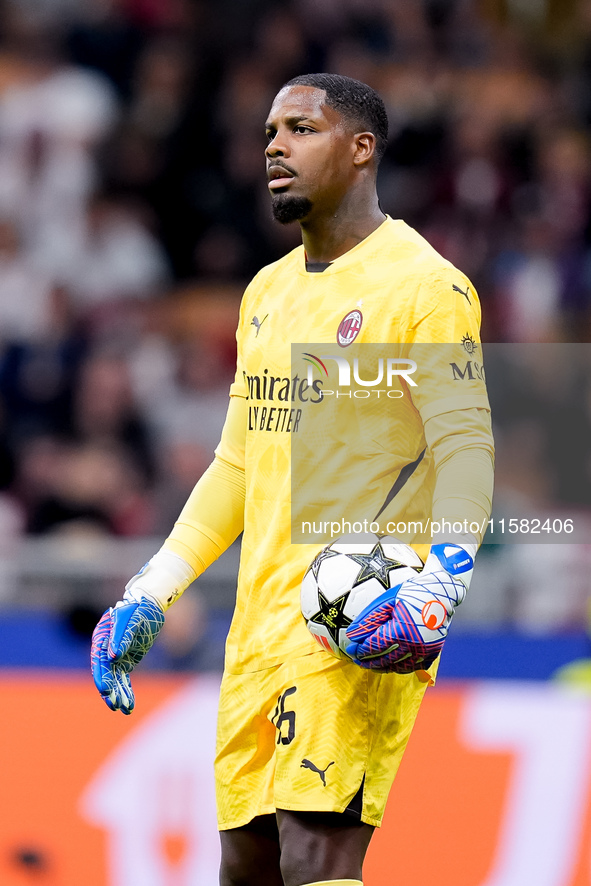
462	445
213	516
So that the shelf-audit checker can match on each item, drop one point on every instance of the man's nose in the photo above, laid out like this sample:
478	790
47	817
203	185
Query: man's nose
277	148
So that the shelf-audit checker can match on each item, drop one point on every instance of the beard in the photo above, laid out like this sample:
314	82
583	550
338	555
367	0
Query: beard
288	209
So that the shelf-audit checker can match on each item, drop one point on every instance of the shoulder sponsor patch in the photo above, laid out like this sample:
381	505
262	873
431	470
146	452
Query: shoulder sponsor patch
469	344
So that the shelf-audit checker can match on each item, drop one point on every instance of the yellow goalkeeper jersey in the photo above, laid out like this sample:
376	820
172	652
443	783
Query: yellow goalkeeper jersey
393	287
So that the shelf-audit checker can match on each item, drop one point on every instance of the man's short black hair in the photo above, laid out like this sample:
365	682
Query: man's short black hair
357	102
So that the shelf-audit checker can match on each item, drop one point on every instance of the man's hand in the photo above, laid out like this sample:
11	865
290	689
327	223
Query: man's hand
120	640
404	630
126	632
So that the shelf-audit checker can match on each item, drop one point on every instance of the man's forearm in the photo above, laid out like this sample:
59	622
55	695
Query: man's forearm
212	518
463	454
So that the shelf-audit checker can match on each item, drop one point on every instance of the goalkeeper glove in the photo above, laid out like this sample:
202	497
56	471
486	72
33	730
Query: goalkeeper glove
119	642
127	630
405	628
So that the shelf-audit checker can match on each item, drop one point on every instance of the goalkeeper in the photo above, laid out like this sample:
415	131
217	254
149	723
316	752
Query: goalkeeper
308	745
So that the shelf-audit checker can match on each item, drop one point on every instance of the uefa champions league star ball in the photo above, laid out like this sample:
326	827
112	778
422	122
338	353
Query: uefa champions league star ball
345	578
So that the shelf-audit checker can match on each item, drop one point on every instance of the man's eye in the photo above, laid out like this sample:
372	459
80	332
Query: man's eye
270	135
302	129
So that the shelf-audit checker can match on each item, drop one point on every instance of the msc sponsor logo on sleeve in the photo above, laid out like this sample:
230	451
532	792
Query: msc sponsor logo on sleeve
472	371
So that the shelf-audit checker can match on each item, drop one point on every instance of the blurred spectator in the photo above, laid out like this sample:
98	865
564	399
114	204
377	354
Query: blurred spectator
105	413
194	407
50	121
110	256
26	304
92	488
182	463
102	37
528	275
38	372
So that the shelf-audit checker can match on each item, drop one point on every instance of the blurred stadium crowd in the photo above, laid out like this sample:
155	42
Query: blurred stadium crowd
133	209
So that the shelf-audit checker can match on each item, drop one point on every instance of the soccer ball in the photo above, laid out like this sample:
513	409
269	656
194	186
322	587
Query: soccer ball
345	577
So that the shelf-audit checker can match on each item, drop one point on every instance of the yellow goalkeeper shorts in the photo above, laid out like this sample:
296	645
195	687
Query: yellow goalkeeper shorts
315	734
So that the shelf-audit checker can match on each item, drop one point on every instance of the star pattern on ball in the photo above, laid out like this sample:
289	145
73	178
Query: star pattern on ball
331	615
375	565
325	554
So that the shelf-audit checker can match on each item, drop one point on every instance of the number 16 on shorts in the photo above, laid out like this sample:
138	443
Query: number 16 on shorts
284	720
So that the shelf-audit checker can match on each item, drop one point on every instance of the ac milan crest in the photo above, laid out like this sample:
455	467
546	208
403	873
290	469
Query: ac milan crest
349	328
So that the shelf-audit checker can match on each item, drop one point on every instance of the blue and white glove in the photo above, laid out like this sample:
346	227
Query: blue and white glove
127	630
119	642
405	628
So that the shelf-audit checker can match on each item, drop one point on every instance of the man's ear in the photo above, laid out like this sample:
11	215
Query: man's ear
365	148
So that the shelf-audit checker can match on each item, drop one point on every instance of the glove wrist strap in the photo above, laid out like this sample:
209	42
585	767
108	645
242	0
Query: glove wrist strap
163	579
466	541
457	560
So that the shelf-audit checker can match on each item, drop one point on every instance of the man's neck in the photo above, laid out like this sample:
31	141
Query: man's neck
324	243
328	237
